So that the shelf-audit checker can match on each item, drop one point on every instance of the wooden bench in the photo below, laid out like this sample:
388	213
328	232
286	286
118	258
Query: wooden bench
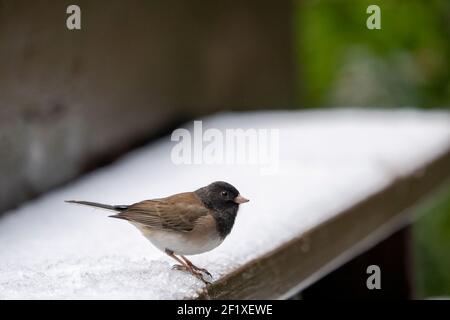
346	180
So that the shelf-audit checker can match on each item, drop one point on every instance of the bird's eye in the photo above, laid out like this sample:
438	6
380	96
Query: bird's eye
224	193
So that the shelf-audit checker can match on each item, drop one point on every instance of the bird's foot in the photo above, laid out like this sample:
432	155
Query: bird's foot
201	277
201	270
193	266
179	267
197	273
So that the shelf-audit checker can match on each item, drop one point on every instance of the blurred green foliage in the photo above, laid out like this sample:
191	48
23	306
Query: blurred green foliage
342	62
432	247
406	63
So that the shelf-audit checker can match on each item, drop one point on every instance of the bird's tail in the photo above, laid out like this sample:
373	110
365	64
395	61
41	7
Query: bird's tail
116	208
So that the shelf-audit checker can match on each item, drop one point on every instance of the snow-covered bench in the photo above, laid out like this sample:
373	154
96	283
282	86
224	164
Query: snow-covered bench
343	181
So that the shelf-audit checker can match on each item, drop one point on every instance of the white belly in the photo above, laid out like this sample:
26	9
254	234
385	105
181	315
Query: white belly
182	243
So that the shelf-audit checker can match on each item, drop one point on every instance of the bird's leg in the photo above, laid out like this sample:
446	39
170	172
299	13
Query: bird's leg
182	265
190	264
185	266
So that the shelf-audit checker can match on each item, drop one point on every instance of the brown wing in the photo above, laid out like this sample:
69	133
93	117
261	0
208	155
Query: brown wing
178	213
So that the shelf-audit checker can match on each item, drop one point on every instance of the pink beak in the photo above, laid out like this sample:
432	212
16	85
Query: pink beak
240	199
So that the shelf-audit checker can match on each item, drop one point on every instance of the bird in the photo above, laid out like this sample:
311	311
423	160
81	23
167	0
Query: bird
187	223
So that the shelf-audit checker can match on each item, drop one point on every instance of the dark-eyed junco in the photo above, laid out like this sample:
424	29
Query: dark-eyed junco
183	224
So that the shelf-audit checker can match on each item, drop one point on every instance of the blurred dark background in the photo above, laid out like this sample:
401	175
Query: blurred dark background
71	101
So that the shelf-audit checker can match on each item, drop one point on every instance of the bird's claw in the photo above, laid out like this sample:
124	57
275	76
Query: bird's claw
179	267
200	276
197	272
202	270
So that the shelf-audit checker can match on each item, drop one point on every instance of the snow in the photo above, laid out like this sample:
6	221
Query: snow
328	160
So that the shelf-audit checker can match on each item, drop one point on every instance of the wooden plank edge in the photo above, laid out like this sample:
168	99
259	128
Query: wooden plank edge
302	260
